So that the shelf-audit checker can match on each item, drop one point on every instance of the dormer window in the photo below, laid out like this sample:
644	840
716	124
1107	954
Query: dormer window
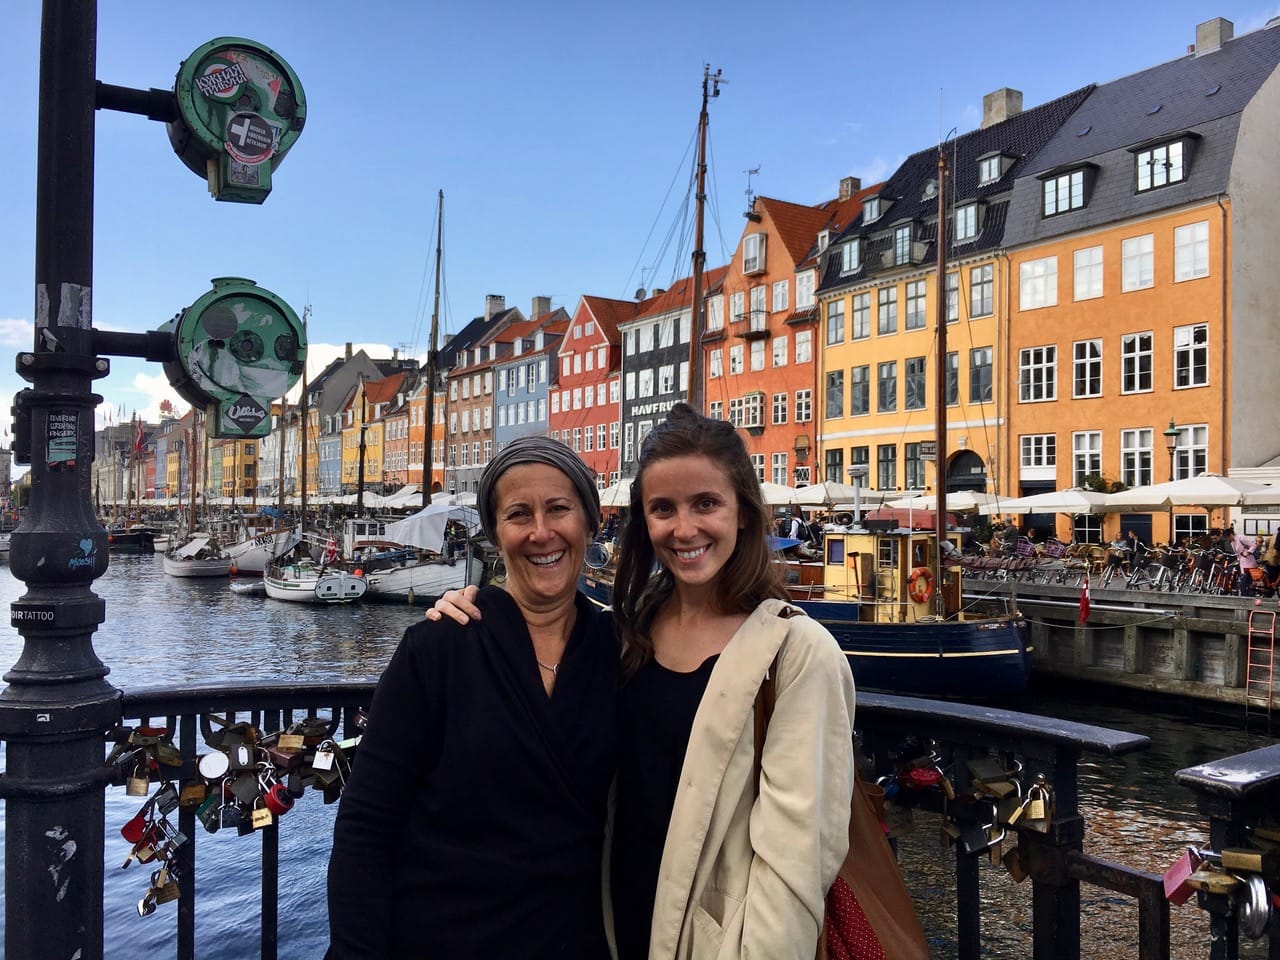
824	238
1065	190
1162	164
966	222
753	253
902	244
850	256
991	168
871	210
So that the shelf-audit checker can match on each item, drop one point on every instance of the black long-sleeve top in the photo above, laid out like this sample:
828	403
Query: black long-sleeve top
472	824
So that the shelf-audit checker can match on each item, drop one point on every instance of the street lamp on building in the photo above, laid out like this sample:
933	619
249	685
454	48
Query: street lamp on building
1171	444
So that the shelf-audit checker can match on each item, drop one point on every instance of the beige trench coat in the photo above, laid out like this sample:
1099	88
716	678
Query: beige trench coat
745	876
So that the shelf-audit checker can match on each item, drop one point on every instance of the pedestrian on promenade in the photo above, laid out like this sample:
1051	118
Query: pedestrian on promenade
703	863
472	824
1243	547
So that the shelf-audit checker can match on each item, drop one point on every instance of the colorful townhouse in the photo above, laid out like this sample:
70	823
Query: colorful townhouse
524	375
878	300
655	360
468	360
586	399
760	361
1142	249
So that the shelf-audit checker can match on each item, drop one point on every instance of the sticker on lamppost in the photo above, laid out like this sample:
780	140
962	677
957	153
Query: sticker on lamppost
240	109
236	349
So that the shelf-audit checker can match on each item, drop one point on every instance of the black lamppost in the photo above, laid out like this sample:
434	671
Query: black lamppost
1171	444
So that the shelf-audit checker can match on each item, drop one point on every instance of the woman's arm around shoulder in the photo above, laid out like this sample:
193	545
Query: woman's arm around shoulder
800	822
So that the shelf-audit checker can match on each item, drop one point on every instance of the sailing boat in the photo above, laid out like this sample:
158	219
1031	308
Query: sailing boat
251	548
892	596
418	566
199	554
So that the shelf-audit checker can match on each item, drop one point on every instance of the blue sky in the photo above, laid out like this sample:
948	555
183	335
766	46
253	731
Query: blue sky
560	132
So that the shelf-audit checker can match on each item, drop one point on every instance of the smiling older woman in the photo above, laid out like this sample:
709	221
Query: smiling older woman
473	821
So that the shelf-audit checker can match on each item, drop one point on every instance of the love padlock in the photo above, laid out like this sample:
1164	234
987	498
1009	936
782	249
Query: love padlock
1176	888
135	828
278	799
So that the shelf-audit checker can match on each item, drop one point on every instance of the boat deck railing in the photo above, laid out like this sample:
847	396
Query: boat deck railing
932	756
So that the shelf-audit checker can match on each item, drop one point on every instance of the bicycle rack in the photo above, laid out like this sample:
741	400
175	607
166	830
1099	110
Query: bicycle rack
1260	662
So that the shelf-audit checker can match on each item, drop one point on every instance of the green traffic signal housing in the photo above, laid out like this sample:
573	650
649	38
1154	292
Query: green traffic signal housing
240	109
236	349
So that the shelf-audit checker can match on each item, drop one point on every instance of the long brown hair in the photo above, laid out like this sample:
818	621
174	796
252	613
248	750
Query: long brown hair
748	577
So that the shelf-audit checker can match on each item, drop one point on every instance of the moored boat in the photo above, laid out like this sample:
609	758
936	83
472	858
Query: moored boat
305	581
198	557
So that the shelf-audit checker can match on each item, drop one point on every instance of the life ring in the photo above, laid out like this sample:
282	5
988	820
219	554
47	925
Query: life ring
920	584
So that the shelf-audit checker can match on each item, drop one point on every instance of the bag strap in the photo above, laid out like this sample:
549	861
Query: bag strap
766	697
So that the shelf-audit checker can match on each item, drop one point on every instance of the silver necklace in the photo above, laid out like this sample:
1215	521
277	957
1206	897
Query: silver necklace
551	668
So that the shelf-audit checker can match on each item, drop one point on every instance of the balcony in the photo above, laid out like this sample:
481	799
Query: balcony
756	325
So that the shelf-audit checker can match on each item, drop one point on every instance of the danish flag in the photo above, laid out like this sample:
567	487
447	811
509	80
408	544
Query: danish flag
1084	599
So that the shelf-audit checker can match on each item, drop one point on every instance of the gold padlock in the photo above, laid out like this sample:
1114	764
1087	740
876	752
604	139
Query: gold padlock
138	785
1015	861
261	817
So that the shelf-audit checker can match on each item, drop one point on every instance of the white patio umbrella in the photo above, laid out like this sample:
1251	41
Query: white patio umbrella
777	494
958	501
1072	501
828	493
616	495
1207	490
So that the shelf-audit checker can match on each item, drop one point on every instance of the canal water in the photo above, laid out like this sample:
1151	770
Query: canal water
163	631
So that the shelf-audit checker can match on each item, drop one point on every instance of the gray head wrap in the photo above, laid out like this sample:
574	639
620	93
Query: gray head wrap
537	450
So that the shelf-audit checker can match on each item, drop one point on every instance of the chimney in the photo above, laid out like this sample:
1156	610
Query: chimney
541	305
1212	34
999	106
493	305
347	352
849	186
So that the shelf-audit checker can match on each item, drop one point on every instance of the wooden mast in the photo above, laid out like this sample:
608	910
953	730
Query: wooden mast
427	455
710	88
304	412
284	409
940	390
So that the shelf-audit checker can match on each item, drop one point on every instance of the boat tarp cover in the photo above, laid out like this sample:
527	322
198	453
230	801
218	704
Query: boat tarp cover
192	547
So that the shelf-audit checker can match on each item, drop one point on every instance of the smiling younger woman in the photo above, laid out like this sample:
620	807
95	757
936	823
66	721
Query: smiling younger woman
704	865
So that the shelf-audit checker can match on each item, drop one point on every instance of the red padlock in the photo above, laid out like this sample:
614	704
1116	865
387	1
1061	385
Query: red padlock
1176	889
278	799
920	778
135	828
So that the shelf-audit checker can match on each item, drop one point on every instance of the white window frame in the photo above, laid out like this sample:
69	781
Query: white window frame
1086	369
715	364
1191	251
915	318
804	406
780	408
781	291
1038	283
804	346
780	350
1038	374
1191	356
966	222
804	289
1136	456
1086	455
1137	263
753	253
735	359
1087	262
1038	450
1137	358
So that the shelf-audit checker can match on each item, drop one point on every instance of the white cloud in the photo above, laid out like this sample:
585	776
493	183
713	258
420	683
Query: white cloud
17	333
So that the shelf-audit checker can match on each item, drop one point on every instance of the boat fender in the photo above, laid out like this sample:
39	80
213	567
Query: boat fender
920	585
358	572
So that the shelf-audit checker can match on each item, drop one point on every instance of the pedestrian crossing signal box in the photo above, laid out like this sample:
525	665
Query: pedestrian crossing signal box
240	109
236	349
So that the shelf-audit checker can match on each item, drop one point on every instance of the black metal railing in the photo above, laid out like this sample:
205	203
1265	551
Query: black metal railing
898	734
189	715
1235	877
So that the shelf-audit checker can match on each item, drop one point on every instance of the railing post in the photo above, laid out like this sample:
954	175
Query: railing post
58	704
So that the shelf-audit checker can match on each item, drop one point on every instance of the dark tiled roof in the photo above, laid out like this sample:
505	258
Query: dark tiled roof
1119	116
904	196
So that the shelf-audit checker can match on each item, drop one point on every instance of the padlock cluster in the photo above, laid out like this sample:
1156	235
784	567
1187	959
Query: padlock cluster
1238	880
246	782
977	819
